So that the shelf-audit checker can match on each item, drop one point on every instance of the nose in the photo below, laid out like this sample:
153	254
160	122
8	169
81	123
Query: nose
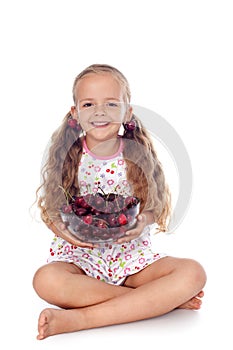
100	110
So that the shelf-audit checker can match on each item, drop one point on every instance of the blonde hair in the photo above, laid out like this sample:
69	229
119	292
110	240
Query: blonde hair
144	170
104	69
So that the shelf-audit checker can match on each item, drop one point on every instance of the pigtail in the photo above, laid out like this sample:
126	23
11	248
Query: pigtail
59	170
145	174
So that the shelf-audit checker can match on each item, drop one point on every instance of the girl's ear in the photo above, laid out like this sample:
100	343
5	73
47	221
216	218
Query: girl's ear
73	112
128	114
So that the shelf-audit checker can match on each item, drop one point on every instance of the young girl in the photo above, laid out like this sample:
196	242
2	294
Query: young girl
116	282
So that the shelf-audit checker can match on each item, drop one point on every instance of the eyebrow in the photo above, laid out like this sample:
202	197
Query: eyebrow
106	99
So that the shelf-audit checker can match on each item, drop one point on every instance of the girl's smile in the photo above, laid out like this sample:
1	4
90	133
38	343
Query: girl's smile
99	124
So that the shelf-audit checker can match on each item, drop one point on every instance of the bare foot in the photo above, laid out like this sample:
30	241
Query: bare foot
55	321
194	303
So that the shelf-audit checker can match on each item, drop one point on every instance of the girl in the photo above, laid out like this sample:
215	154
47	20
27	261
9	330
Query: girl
89	152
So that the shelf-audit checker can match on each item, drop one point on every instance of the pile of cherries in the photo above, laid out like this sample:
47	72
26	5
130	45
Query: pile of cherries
100	217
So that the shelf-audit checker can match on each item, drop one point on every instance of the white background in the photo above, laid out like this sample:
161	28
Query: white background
177	56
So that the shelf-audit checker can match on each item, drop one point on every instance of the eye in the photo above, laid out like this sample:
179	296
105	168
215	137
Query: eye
112	104
87	105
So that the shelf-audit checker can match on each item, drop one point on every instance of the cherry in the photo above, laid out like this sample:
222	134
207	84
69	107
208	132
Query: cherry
98	202
112	220
88	198
111	196
122	219
130	201
100	216
88	219
67	208
80	211
95	211
83	202
109	208
78	201
130	126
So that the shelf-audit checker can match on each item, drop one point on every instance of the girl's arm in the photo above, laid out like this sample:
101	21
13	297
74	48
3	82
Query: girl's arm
60	230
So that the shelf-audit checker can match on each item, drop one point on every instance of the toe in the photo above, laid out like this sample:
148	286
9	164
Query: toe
40	337
196	303
201	294
42	324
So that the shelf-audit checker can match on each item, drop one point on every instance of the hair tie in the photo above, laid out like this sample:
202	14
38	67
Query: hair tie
73	124
129	128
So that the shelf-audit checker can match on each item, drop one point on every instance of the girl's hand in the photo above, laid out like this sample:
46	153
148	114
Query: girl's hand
135	232
59	228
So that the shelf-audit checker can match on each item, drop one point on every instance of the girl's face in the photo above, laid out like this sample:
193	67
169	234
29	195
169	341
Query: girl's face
100	107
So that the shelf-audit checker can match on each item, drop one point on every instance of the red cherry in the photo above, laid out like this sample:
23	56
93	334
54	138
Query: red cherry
130	201
67	208
80	211
88	219
112	220
122	219
95	211
109	208
82	202
111	196
98	203
78	201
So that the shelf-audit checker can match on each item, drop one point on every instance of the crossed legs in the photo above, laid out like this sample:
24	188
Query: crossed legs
86	303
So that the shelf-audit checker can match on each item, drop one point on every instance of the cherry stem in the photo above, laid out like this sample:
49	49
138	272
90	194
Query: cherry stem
102	220
99	188
88	187
66	193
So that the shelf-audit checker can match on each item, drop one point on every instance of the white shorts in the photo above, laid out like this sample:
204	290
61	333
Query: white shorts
111	263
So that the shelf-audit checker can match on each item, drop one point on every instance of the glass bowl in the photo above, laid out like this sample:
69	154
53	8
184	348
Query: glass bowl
100	218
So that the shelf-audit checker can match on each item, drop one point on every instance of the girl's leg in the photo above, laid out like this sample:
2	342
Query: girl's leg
65	285
158	289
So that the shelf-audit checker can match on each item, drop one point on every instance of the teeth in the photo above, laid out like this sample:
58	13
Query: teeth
99	123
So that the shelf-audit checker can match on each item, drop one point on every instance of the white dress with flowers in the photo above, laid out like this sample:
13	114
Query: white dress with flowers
111	263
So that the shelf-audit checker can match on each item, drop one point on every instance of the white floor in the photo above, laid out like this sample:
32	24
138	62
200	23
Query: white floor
181	329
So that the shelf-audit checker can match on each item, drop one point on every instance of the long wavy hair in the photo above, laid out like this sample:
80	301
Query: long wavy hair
144	170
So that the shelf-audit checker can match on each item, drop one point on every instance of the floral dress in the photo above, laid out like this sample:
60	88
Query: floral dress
110	262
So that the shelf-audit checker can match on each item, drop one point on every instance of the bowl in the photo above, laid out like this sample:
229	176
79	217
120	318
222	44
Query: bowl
97	218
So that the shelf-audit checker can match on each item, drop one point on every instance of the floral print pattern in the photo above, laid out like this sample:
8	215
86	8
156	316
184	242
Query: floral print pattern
109	174
110	263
